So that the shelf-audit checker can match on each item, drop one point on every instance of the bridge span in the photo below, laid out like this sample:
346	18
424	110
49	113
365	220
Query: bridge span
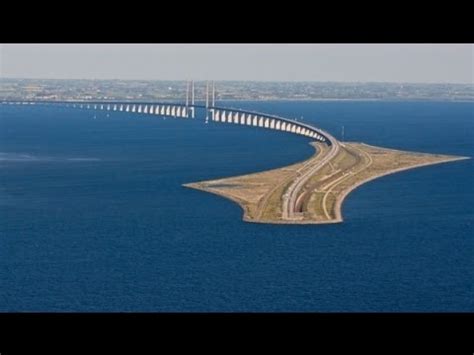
180	110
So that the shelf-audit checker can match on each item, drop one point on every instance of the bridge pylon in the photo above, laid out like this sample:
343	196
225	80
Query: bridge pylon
192	98
207	101
213	101
186	110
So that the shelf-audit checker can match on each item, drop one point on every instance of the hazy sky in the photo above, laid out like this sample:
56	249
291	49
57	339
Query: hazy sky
311	62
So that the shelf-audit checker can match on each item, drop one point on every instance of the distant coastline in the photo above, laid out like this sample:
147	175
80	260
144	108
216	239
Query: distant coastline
359	99
164	90
277	99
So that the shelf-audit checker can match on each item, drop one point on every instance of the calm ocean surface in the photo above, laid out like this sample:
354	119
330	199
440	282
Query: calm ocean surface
93	216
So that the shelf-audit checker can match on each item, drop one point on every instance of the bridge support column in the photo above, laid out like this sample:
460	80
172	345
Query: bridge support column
248	120
236	118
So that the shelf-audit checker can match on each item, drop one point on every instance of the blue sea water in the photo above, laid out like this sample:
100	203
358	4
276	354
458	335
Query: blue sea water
93	216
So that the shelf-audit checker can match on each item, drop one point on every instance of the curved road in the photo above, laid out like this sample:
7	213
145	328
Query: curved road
291	195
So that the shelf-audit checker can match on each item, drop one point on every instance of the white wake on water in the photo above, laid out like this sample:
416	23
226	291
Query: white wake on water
23	157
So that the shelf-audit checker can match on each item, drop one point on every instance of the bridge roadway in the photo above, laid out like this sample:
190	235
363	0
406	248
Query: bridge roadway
97	102
293	192
306	129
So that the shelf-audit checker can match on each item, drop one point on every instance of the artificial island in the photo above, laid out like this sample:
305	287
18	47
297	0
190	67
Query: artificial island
312	191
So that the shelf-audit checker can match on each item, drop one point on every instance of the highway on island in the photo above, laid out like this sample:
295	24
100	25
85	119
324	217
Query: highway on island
291	195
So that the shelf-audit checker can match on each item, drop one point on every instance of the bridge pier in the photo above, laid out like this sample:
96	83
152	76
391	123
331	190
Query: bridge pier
236	117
